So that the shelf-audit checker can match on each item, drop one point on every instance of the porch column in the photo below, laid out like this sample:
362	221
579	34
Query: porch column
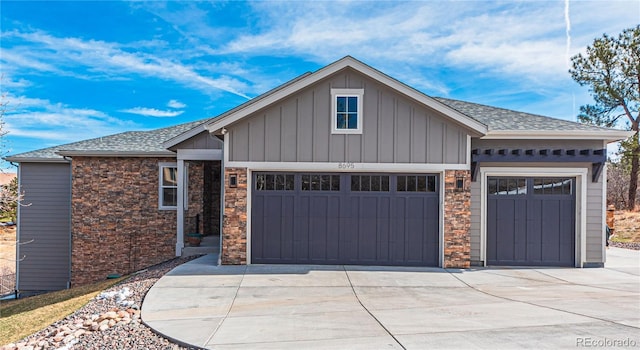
180	209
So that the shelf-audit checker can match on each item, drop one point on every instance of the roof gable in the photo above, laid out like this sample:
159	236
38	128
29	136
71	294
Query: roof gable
215	125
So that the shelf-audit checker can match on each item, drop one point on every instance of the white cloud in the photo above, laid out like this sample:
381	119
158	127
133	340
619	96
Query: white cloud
523	40
152	112
42	119
176	104
64	55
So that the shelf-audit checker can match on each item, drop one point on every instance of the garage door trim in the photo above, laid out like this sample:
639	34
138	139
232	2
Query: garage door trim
581	202
412	170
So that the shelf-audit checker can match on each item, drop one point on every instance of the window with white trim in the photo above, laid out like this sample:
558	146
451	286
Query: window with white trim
168	189
346	111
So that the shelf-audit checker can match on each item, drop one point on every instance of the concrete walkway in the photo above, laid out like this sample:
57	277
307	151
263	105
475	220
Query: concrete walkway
354	307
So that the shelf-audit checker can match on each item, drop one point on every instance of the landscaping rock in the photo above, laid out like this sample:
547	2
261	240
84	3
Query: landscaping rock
109	321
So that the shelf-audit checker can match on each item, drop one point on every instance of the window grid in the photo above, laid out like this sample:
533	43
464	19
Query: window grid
168	186
507	186
552	186
320	182
275	182
370	183
416	183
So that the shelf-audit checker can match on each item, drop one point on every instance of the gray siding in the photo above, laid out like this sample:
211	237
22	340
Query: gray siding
595	198
45	222
395	129
203	140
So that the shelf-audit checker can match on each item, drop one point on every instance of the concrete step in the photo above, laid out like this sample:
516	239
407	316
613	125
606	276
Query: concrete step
188	251
209	245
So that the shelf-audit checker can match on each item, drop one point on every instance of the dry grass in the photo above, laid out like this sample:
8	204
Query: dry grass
627	226
22	317
7	259
8	247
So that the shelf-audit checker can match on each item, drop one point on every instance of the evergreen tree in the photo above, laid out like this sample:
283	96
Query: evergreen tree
611	69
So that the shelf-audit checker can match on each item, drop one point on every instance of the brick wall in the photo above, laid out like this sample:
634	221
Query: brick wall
234	226
116	224
457	219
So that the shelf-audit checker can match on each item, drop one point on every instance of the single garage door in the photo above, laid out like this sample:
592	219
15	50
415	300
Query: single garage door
531	221
361	219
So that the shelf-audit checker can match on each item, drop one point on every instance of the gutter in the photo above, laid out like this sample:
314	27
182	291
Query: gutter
116	153
611	135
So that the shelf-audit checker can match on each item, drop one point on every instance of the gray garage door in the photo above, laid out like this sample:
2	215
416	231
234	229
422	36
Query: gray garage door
531	221
363	219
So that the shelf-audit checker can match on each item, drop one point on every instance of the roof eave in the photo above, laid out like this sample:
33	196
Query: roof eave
35	160
606	135
221	122
136	154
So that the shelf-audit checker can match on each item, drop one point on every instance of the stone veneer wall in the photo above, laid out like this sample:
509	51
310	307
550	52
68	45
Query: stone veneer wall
196	195
457	220
116	224
234	227
200	191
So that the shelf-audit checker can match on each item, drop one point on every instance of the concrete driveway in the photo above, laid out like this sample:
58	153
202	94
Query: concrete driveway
354	307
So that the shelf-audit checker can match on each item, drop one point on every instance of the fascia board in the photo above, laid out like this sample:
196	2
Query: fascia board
35	160
116	154
348	61
607	135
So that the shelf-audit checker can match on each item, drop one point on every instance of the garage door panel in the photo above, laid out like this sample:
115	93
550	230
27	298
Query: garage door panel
492	228
357	219
367	229
531	223
505	226
520	231
318	227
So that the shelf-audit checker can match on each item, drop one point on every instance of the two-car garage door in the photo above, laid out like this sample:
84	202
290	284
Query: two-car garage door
338	218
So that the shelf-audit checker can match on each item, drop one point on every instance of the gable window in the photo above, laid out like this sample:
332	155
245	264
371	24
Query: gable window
168	195
346	107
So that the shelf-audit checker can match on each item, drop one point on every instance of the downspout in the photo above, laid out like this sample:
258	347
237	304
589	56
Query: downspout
19	216
70	220
225	156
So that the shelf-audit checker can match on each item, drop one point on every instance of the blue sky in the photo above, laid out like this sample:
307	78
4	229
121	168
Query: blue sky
82	69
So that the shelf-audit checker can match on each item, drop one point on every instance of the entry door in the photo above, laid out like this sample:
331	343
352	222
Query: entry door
531	221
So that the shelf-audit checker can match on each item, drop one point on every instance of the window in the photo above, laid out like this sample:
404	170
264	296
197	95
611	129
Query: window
275	182
416	183
320	182
346	106
168	196
370	183
552	186
505	186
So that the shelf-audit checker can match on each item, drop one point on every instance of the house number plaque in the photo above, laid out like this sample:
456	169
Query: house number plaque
346	165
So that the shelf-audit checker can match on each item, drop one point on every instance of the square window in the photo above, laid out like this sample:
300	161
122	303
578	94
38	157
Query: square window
346	115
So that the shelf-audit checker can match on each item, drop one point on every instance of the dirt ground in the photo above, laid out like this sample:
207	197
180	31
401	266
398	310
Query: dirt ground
8	248
626	226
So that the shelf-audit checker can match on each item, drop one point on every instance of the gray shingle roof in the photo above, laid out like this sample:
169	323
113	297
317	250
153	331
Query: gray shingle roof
130	141
496	118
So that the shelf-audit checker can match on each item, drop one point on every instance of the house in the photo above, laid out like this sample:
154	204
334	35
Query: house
345	165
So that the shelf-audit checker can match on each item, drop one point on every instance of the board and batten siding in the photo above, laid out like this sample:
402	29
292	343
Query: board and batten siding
595	198
396	129
203	140
44	227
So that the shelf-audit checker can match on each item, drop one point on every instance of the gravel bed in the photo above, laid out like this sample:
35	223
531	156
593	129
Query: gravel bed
625	245
122	334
